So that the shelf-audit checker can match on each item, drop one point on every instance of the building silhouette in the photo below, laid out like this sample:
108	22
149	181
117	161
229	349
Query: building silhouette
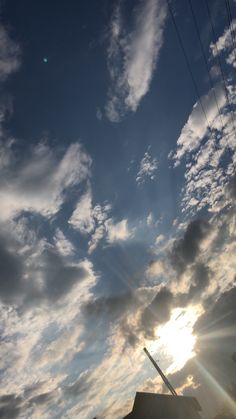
163	406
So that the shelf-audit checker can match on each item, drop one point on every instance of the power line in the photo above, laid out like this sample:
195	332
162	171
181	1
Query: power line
205	60
220	66
231	28
231	21
187	62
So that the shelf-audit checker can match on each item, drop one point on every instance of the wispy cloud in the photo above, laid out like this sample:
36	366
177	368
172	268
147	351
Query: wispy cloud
64	246
197	126
40	183
225	43
9	54
118	231
82	217
95	221
147	169
132	55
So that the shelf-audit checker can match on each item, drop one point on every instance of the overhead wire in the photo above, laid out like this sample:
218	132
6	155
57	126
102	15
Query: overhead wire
231	27
207	68
187	60
205	60
232	33
220	65
189	66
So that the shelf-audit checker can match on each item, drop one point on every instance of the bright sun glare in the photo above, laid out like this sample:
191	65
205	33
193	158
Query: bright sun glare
175	340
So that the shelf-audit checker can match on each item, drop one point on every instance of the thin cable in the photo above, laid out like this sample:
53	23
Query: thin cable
220	66
231	21
205	61
188	64
228	7
209	74
233	30
231	27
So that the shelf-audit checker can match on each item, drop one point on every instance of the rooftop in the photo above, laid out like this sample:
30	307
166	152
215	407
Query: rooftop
159	406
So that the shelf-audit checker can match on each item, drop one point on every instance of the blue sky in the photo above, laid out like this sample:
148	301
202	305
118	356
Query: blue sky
117	189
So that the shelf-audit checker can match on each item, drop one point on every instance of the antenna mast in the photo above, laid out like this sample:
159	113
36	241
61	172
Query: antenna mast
164	378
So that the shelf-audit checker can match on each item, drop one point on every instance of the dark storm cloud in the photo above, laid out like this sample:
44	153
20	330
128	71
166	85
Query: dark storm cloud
200	279
220	315
122	270
57	277
42	398
131	335
13	405
79	387
112	306
231	188
11	270
115	309
157	312
10	406
185	254
185	250
112	310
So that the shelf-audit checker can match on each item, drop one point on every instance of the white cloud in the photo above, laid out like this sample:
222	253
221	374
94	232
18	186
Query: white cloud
95	222
98	234
85	217
90	220
159	239
9	55
210	153
112	231
100	216
150	219
39	183
224	42
196	128
82	217
41	330
155	269
63	245
207	173
38	356
118	231
132	56
147	169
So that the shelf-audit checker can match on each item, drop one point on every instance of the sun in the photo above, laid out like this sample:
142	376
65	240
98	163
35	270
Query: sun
176	341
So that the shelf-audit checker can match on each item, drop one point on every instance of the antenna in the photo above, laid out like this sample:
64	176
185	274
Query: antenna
164	378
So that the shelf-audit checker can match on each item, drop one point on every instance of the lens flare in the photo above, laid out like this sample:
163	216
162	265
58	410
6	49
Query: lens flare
176	340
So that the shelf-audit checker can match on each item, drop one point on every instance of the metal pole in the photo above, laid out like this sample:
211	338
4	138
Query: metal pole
164	378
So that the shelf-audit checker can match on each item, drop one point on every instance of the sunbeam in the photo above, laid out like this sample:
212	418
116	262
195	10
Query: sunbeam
214	383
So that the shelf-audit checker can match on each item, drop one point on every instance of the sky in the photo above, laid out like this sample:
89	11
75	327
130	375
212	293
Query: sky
117	216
